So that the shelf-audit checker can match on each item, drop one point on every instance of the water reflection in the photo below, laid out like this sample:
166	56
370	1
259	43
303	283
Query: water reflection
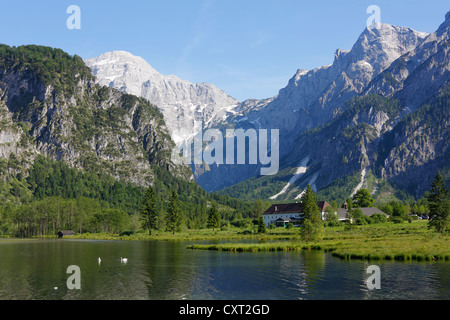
166	270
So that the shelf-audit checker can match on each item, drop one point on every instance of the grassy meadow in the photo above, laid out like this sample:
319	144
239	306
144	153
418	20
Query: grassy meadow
383	241
387	241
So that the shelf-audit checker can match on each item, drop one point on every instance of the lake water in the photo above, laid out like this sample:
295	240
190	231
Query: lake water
36	269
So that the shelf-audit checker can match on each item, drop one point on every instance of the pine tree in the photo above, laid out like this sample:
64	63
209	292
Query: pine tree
439	205
174	217
149	210
349	213
261	225
214	217
312	225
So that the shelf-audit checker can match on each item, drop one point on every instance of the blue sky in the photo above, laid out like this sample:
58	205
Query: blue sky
248	48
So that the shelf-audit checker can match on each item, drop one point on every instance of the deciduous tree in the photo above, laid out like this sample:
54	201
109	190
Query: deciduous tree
363	199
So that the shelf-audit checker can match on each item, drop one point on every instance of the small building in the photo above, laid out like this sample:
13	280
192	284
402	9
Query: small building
342	212
283	222
63	233
282	214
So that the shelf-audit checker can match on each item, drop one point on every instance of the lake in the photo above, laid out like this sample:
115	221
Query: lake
165	270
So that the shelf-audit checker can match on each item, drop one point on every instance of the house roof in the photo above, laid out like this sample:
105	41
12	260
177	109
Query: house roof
366	211
66	232
292	208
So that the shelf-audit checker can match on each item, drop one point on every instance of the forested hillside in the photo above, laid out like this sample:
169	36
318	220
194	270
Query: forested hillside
76	155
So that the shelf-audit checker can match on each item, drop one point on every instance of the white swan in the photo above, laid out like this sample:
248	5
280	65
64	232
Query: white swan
124	260
99	260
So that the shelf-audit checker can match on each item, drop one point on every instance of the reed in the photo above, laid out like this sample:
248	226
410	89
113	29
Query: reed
407	242
387	241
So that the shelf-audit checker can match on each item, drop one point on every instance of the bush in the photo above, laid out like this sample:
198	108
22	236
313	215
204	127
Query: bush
349	227
360	221
333	224
378	218
242	223
397	220
126	233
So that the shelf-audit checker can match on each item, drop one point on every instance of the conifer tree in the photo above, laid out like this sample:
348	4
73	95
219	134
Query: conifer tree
349	213
214	217
174	218
149	210
439	205
261	225
312	225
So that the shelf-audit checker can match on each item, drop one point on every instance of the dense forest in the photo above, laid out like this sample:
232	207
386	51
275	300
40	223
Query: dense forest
50	65
41	197
57	197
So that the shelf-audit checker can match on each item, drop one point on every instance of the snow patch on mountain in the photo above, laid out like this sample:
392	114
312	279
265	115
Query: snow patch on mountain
361	183
182	103
299	171
312	183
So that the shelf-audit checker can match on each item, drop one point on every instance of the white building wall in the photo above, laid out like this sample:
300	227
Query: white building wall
271	218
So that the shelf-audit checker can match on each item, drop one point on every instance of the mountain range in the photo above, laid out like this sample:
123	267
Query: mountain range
365	125
377	117
52	106
180	101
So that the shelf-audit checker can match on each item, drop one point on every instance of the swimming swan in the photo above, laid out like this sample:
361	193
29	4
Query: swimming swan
124	260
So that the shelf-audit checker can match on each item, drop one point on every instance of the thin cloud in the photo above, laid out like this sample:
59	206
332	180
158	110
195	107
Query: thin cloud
201	27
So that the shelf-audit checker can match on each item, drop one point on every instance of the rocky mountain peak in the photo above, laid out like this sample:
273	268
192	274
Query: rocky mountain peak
180	101
380	46
62	114
445	25
314	97
122	70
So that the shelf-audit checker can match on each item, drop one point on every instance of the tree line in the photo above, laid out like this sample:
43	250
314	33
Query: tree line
52	196
56	197
312	227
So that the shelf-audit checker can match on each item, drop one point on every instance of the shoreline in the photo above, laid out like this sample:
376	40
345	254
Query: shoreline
387	241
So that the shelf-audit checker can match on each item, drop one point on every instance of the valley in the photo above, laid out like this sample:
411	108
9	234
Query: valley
105	129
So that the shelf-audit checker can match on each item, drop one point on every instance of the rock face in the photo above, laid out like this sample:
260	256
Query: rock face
395	129
180	101
424	69
51	105
314	97
355	121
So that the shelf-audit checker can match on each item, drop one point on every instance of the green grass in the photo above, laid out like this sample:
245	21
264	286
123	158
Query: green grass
386	241
258	247
193	235
402	242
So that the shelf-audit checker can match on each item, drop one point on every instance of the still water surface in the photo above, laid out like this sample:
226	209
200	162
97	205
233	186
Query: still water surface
168	271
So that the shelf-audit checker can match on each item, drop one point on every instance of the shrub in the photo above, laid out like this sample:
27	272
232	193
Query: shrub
126	233
333	224
397	220
378	218
360	221
242	223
